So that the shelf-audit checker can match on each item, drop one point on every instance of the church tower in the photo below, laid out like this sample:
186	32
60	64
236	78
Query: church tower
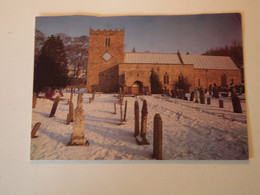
106	51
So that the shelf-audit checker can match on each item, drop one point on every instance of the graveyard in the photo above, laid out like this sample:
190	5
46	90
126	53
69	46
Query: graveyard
190	131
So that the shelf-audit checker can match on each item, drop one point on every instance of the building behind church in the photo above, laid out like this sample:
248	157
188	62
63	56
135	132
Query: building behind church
111	68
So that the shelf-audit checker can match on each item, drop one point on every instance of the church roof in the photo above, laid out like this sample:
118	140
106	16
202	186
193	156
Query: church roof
210	62
199	61
158	58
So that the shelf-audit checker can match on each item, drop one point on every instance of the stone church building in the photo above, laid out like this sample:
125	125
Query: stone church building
110	68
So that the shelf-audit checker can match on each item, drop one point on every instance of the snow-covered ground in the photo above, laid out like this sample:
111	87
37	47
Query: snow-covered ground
190	130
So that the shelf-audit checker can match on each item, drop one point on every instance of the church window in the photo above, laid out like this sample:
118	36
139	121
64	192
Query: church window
223	80
198	82
166	79
107	42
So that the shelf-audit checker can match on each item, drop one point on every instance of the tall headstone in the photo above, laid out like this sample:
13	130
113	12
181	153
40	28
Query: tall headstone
125	111
210	89
157	137
54	107
143	125
136	119
34	100
35	129
78	137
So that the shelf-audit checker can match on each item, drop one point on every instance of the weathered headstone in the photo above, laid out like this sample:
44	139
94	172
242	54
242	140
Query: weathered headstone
70	114
125	111
54	107
221	103
114	108
236	104
143	125
35	129
136	111
78	137
192	96
208	100
215	92
157	137
34	100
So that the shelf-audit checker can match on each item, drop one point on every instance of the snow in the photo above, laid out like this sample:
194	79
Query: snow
190	130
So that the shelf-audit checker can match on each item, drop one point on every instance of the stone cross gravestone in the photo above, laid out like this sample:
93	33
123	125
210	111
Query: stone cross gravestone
157	137
78	137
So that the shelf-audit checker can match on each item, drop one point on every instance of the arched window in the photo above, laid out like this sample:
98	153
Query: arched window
107	42
166	79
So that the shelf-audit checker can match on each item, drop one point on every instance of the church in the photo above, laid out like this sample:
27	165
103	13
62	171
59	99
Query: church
110	68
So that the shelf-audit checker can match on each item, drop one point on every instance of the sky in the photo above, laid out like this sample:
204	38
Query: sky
163	34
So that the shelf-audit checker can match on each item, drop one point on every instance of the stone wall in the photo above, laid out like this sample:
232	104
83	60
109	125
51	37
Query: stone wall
205	78
130	73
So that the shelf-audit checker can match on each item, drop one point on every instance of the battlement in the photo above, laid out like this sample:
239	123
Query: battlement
106	31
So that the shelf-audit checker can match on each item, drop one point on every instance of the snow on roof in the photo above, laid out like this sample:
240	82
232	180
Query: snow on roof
210	62
199	61
160	58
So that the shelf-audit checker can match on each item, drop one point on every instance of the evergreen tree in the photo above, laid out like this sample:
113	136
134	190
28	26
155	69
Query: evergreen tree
156	85
51	69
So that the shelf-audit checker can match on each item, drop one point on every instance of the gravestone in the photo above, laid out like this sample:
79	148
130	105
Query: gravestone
236	104
208	100
125	111
210	89
221	103
157	137
35	129
136	111
93	95
192	96
34	100
78	137
54	107
202	96
143	125
196	95
114	108
70	114
121	114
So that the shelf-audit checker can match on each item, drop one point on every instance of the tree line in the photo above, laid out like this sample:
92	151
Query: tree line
52	57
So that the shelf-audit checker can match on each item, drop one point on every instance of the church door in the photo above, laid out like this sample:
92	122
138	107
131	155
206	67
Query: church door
137	87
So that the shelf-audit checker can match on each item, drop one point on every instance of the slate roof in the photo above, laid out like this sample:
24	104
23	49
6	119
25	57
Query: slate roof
199	61
210	62
160	58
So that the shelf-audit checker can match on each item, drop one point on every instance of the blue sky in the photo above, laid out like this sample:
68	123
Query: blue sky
163	34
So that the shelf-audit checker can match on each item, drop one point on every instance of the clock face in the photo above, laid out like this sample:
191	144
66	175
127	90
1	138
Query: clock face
106	56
